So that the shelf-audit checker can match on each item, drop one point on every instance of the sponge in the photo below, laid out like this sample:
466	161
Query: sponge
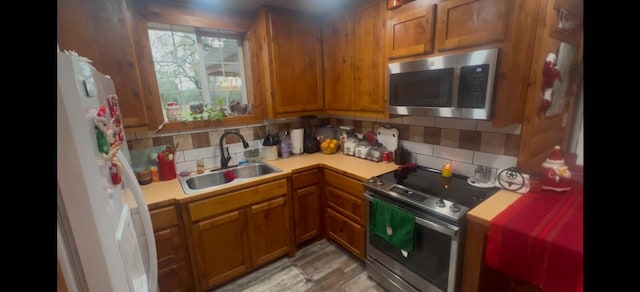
229	176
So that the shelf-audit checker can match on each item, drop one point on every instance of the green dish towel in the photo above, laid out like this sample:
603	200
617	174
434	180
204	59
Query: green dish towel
401	225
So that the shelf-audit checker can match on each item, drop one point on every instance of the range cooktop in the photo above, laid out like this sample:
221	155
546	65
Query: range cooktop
425	188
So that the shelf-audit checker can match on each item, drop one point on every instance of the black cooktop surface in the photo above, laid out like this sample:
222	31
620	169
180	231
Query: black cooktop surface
454	189
427	189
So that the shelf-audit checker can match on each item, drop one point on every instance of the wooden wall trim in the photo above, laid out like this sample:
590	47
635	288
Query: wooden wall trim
200	16
546	132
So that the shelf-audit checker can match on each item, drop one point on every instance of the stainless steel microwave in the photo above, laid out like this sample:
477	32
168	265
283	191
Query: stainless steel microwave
459	86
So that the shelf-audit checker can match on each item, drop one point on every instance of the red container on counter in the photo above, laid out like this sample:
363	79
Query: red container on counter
166	167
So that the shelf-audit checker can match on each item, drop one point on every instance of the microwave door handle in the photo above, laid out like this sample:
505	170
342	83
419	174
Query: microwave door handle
456	85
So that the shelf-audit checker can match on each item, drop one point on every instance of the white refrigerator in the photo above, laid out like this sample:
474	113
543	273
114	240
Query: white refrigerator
105	238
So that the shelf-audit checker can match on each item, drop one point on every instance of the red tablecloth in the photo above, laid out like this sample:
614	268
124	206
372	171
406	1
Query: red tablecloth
538	239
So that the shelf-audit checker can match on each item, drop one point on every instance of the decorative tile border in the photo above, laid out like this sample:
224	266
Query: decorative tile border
465	143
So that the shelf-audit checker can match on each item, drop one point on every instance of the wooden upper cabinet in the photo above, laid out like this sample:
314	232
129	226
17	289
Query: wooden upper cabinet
368	57
289	65
410	30
464	23
106	33
354	62
338	62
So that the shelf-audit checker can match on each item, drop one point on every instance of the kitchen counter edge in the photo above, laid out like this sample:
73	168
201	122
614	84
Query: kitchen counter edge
164	193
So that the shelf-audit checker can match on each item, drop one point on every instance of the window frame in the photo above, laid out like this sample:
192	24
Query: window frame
232	21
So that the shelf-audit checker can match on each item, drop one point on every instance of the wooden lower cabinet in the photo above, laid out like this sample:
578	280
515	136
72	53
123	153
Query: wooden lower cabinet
345	212
235	233
307	205
220	248
269	231
346	233
174	273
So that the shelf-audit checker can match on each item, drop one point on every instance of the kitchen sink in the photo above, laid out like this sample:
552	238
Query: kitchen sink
216	178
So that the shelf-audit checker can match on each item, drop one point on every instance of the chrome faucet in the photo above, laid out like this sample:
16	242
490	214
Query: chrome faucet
224	159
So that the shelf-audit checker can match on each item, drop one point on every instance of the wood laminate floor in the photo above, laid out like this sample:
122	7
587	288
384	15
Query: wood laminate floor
321	266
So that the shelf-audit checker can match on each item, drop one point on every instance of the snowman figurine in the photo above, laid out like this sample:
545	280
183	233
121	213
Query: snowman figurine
554	174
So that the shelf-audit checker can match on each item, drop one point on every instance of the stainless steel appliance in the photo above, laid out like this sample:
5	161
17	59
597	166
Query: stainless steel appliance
439	205
459	85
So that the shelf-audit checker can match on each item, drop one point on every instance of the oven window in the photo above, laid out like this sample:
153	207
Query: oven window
432	88
430	259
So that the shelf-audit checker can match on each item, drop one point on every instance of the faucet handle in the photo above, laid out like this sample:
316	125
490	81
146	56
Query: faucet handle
228	156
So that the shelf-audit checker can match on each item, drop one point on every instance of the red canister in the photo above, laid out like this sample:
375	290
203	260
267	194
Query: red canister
387	156
166	167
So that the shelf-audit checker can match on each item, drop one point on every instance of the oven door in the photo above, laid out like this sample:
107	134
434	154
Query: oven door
432	266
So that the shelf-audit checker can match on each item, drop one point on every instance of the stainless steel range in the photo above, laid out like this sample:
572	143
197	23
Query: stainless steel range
440	205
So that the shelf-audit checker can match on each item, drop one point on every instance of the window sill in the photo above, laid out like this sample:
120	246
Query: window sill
174	127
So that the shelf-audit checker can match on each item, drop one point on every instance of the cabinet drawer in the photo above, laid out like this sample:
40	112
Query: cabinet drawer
237	199
163	218
169	247
349	235
345	204
307	178
348	185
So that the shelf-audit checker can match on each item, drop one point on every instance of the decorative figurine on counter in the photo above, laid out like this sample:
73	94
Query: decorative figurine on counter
550	74
554	174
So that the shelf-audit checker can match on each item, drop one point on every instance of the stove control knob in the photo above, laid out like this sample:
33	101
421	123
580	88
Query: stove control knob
379	181
372	179
440	203
454	208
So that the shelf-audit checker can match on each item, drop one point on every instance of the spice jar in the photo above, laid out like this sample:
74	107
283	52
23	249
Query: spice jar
154	173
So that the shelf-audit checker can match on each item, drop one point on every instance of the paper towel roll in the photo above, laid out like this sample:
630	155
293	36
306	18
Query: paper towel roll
297	138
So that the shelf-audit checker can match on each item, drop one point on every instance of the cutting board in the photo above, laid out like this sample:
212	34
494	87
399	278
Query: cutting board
388	138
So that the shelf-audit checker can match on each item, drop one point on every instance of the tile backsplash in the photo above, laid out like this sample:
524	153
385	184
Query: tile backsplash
432	141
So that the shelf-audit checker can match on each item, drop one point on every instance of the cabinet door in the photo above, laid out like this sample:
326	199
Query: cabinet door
220	249
464	23
104	32
307	213
269	230
174	278
346	233
337	58
368	57
296	67
410	31
168	246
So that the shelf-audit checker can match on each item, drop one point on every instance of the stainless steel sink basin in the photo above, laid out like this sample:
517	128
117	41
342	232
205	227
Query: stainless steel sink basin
210	180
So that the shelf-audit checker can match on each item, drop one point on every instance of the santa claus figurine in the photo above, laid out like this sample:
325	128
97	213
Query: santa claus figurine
554	174
550	74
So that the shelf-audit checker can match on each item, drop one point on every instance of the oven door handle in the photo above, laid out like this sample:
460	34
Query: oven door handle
453	231
448	230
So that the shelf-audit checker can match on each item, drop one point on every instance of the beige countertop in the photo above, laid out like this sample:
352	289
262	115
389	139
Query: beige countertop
158	194
492	206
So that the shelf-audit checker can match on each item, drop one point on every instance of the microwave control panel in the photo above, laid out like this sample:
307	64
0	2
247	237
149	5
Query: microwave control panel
472	90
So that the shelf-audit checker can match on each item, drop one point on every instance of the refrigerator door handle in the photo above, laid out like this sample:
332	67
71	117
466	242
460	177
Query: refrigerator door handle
131	182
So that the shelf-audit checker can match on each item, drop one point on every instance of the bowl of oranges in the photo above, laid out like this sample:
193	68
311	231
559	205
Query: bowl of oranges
329	146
